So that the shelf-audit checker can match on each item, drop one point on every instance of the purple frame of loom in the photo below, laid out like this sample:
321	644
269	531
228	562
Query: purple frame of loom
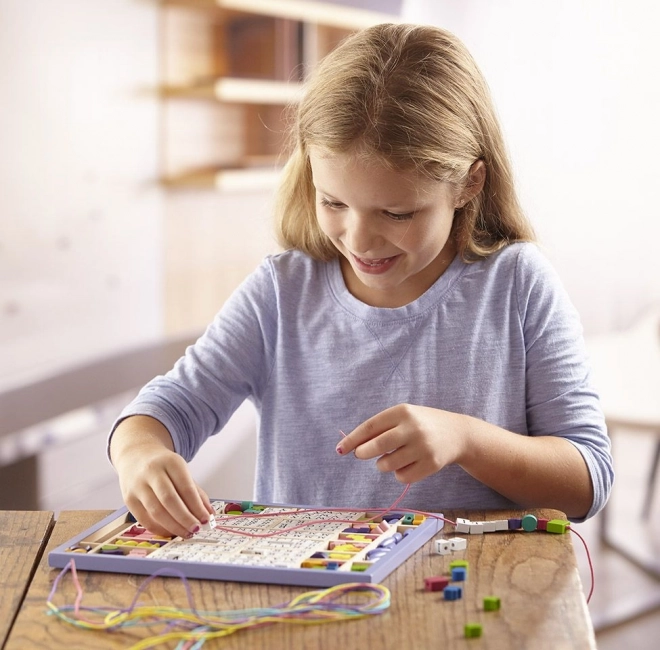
377	572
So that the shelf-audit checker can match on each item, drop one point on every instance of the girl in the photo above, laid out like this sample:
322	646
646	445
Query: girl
409	309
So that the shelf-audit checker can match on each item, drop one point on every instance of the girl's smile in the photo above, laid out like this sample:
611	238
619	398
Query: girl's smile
375	266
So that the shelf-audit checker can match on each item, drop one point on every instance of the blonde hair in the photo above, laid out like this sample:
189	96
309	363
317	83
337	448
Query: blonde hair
413	96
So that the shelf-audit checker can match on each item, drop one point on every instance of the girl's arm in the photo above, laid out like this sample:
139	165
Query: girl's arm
533	471
546	471
172	416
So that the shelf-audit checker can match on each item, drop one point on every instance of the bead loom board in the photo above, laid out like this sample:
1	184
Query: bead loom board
320	555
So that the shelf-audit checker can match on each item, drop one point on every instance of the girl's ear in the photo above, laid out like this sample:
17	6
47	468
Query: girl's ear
475	183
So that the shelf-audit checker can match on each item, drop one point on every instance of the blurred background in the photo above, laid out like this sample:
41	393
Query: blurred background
136	182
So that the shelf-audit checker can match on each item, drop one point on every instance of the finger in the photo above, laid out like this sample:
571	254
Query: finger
193	510
206	501
166	521
169	498
412	473
154	517
369	429
135	506
385	443
396	460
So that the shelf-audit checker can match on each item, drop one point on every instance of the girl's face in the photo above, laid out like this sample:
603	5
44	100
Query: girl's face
392	228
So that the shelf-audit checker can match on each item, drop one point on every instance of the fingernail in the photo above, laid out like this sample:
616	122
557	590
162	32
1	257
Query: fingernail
339	450
195	529
203	522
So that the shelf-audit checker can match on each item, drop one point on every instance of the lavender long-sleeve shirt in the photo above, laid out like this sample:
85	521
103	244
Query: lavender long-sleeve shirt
497	339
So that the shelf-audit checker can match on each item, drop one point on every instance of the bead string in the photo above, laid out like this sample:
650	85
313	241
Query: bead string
191	628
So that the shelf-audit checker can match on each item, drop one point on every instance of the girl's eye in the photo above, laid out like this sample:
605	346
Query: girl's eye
336	205
399	217
333	205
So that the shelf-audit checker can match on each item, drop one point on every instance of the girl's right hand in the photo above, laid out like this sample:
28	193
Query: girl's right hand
155	482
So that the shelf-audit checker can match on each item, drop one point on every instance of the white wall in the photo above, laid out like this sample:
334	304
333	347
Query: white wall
83	219
576	86
80	211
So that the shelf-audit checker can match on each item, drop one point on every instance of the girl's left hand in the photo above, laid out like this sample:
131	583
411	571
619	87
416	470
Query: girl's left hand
411	441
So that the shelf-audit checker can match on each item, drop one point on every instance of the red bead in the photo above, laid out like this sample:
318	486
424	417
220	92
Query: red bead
435	583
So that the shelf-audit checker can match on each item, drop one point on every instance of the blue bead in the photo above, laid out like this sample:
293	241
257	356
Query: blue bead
458	574
452	592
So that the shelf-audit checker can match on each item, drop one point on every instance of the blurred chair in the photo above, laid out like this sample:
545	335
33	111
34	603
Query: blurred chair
627	373
650	488
626	368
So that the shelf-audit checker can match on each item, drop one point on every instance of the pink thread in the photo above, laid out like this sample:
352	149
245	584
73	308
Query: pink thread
591	566
380	512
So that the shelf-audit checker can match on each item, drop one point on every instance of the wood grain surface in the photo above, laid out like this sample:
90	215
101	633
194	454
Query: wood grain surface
534	574
23	537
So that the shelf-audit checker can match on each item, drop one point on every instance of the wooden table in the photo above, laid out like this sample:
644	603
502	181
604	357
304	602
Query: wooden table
23	537
534	574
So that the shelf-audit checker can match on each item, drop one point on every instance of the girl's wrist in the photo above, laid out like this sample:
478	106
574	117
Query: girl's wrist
467	443
137	435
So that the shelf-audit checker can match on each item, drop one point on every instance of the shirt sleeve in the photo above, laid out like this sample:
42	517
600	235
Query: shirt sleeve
561	399
230	362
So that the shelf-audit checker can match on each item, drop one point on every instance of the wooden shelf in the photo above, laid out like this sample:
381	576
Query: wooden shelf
246	61
240	91
226	179
322	13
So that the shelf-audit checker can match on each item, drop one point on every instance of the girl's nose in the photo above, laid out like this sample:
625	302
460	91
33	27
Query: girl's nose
361	234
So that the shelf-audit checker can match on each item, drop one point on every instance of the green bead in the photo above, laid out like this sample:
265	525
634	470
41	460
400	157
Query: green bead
473	630
459	563
557	526
491	603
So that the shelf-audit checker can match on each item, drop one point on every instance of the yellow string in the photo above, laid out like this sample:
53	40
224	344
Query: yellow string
220	624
